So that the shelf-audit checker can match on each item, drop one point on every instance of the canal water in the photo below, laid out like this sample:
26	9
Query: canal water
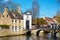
28	38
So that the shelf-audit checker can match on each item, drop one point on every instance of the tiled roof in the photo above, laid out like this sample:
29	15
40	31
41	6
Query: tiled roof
51	20
14	15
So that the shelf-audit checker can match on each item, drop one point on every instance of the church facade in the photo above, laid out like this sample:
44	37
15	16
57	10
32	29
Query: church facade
14	23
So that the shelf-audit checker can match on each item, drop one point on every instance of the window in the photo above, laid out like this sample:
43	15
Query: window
19	27
12	21
19	21
15	27
7	15
12	27
27	24
15	21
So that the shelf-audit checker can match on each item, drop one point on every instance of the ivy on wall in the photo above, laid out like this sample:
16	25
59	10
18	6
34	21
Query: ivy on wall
4	26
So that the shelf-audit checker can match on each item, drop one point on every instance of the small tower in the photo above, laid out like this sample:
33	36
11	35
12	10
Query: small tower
19	9
6	10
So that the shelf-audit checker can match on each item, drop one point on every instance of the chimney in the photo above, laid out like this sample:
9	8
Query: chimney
19	9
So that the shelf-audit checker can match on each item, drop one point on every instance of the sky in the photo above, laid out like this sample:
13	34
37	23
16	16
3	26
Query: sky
47	8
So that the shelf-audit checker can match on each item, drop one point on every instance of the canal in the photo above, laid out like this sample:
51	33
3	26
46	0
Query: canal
28	38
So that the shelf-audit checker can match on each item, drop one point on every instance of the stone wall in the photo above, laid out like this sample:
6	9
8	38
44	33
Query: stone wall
8	32
4	32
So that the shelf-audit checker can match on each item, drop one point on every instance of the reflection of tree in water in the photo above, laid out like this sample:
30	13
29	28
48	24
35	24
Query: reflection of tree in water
37	38
55	39
28	38
41	38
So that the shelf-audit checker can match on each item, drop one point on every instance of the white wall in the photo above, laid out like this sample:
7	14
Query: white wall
30	20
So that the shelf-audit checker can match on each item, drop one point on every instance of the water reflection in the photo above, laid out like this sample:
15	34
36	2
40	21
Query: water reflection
28	38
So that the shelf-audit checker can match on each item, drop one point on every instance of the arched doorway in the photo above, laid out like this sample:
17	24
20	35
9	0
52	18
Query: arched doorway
27	25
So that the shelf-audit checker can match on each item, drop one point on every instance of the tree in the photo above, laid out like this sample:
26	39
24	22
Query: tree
35	9
4	26
58	16
41	21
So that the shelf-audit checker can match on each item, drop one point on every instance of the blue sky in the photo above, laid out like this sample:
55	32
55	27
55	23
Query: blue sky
47	7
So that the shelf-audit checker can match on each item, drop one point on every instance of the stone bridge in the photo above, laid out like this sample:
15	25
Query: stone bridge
36	31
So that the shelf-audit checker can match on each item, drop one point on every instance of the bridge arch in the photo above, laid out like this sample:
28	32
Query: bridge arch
40	32
37	33
28	33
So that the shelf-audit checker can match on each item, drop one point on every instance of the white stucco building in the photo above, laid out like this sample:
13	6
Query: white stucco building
27	21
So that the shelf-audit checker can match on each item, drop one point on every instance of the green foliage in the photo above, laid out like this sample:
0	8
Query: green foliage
4	26
58	20
41	21
58	16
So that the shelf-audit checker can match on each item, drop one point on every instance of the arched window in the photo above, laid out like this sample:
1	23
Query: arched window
16	28
12	27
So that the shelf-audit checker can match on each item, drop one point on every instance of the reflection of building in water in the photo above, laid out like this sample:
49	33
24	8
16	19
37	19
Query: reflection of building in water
12	23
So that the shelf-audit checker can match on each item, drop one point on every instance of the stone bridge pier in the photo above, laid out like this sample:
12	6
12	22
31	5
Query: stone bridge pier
35	32
32	32
27	32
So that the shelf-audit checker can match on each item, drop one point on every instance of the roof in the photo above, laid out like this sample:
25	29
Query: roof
51	20
27	13
14	15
